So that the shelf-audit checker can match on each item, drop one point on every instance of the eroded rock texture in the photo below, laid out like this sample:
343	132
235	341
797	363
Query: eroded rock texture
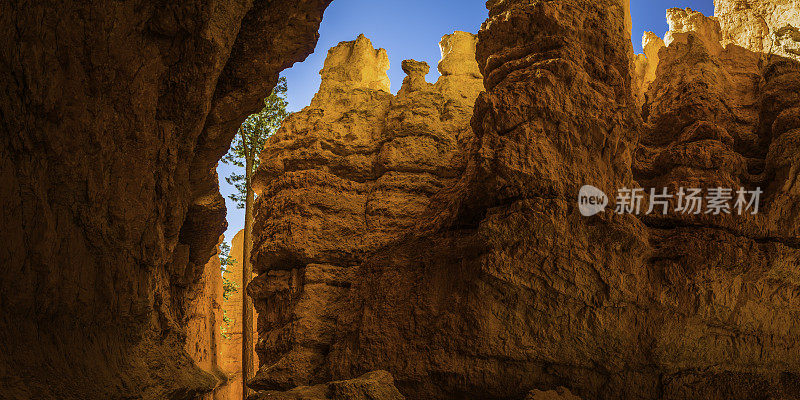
493	285
645	65
720	117
341	179
204	320
114	115
509	289
767	27
559	393
376	385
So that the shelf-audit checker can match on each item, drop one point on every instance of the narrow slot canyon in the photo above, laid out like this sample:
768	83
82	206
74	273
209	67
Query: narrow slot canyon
548	211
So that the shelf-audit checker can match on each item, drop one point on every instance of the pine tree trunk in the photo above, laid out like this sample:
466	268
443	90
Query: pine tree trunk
247	302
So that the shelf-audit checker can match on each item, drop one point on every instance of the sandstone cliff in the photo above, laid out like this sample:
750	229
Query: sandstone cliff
342	178
204	321
114	115
766	27
401	234
493	285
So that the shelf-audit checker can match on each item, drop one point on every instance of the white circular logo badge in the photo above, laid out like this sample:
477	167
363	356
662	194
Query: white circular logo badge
591	200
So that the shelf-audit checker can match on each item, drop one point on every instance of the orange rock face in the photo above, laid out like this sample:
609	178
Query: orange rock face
491	284
426	244
114	115
762	26
376	385
342	178
204	326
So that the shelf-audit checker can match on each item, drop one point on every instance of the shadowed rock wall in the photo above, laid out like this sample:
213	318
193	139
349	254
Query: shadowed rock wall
498	287
710	122
204	326
114	115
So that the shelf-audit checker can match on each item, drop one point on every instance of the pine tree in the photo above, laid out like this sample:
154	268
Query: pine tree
249	141
227	262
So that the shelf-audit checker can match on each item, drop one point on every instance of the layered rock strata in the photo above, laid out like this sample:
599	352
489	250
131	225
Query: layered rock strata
498	286
114	115
720	114
508	288
342	178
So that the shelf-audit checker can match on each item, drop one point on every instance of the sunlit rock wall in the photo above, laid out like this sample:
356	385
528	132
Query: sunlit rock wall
342	178
506	288
645	65
762	26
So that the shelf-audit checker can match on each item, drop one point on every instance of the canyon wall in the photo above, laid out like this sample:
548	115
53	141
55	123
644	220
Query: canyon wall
427	241
114	115
204	321
766	27
230	351
722	114
490	283
342	178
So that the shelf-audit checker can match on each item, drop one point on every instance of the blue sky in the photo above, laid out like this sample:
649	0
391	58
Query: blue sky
650	15
411	29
